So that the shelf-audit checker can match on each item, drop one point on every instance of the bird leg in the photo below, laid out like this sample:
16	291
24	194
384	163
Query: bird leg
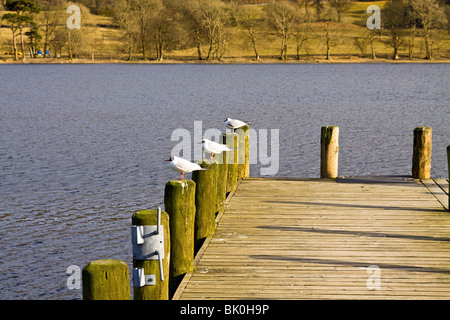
181	176
211	156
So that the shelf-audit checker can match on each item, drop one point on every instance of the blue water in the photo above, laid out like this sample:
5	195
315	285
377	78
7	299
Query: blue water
82	147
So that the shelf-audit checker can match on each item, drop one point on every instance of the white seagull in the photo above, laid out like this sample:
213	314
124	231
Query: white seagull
183	166
234	123
214	147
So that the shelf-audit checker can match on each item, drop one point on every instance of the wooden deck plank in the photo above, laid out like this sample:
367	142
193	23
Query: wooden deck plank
437	191
443	184
316	239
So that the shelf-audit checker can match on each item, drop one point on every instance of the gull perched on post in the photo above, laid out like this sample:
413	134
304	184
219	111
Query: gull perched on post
183	166
235	124
214	147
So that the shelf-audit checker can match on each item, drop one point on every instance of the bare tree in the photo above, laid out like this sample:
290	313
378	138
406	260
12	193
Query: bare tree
249	21
361	44
213	16
371	35
48	20
125	18
331	36
73	40
307	5
341	7
394	21
191	22
331	31
431	16
411	39
302	31
367	42
281	17
76	42
166	31
144	11
318	5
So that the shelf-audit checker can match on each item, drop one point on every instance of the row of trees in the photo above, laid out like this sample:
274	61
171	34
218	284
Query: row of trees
43	23
410	15
208	25
21	17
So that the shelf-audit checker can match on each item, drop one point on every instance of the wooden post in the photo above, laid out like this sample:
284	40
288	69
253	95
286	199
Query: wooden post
158	289
205	201
329	152
448	168
421	163
222	175
106	280
247	154
179	202
231	140
243	152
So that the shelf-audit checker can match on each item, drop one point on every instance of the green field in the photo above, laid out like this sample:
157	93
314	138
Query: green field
103	43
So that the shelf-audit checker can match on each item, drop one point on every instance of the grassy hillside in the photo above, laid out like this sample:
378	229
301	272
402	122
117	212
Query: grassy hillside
103	42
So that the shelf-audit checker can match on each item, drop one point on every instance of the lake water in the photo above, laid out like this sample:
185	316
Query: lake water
82	147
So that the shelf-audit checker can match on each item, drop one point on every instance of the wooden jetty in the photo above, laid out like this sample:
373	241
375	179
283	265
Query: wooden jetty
283	238
345	238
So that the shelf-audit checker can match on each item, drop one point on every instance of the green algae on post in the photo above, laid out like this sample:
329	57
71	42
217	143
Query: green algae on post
106	280
160	289
179	203
205	199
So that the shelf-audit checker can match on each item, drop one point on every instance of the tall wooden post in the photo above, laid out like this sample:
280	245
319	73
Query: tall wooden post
421	163
329	152
106	280
205	201
243	152
149	246
179	203
448	169
231	140
222	175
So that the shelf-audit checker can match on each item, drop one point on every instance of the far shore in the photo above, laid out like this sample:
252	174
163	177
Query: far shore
230	60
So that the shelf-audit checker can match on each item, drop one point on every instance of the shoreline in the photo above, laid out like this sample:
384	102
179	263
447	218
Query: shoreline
232	60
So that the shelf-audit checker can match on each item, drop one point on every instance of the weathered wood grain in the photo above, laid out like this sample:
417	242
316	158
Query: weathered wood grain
318	239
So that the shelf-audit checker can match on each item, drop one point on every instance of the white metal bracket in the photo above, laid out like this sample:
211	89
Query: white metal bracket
140	279
147	242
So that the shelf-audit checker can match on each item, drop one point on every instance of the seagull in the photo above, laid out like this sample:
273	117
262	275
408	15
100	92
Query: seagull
214	147
234	123
183	166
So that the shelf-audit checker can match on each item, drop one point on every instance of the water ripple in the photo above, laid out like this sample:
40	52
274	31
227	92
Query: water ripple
83	150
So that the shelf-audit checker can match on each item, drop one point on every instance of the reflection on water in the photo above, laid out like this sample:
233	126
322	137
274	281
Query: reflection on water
82	147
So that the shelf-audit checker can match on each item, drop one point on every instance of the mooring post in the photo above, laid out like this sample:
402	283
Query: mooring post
106	280
222	175
329	152
448	169
421	163
150	234
231	140
179	203
205	201
243	152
